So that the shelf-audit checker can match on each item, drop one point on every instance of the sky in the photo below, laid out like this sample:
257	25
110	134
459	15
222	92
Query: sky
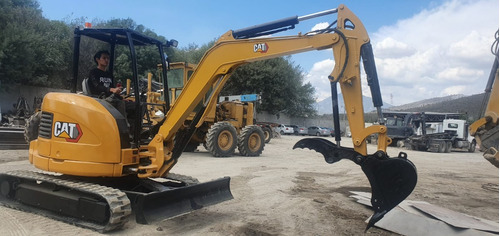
423	48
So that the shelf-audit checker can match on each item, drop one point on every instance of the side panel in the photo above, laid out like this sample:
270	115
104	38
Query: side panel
84	138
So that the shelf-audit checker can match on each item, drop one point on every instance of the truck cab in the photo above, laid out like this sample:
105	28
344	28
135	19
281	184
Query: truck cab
458	127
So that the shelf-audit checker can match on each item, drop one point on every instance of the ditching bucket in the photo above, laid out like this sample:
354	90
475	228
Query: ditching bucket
391	179
160	205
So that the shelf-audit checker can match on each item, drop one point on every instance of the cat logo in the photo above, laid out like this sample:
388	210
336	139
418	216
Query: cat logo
260	47
69	131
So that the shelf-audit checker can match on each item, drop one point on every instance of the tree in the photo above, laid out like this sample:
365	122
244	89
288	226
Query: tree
270	78
33	50
191	54
36	51
279	83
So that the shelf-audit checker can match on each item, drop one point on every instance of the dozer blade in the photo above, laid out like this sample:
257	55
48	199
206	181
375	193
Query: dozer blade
160	205
391	179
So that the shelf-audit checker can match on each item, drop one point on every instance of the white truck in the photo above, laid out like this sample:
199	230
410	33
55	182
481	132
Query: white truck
443	137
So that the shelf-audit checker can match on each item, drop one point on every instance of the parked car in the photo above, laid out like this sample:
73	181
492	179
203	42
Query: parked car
330	131
317	131
295	128
299	130
348	131
285	129
302	131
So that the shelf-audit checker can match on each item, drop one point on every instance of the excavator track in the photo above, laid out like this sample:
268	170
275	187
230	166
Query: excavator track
83	204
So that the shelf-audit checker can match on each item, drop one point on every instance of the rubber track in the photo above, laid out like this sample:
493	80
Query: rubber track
118	202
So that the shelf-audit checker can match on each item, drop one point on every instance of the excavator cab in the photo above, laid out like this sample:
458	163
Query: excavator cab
136	91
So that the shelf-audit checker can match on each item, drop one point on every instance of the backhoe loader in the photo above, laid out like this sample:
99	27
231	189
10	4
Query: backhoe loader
95	176
228	125
485	130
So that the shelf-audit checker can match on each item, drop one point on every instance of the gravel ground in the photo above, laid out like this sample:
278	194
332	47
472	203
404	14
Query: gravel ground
290	192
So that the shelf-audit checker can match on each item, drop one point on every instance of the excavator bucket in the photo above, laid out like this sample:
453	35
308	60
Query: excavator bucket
169	202
391	179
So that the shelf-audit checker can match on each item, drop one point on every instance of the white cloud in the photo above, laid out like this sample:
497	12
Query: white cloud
390	47
320	26
437	52
459	89
318	77
459	74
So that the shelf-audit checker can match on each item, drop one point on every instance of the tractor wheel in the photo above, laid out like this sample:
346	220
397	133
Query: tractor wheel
268	134
472	147
448	147
251	141
31	127
400	143
442	147
221	139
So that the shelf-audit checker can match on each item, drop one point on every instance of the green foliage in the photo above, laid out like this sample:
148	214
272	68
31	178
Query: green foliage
38	52
191	54
279	83
33	50
147	57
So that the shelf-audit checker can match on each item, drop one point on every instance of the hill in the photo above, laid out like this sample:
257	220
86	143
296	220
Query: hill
470	105
325	106
426	102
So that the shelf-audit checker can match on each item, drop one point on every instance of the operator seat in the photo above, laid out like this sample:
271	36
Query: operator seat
85	87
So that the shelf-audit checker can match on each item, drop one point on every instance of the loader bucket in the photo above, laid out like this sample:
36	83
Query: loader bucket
391	179
160	205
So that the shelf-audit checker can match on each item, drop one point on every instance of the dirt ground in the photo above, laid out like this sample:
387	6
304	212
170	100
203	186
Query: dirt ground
290	192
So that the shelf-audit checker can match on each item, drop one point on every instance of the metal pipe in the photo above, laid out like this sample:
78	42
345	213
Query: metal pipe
335	107
138	113
278	25
76	58
318	14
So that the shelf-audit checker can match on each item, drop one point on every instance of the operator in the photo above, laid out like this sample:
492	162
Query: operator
101	83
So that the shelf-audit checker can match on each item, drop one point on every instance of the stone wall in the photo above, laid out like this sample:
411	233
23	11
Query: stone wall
305	122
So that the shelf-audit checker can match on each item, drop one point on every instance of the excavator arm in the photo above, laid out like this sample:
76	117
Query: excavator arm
485	130
392	179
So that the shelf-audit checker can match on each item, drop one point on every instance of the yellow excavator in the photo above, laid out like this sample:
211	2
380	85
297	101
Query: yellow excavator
93	175
485	130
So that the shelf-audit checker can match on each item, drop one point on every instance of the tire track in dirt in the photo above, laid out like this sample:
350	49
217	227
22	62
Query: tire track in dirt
10	224
19	223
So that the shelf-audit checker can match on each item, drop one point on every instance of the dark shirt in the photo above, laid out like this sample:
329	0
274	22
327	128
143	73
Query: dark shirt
100	82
